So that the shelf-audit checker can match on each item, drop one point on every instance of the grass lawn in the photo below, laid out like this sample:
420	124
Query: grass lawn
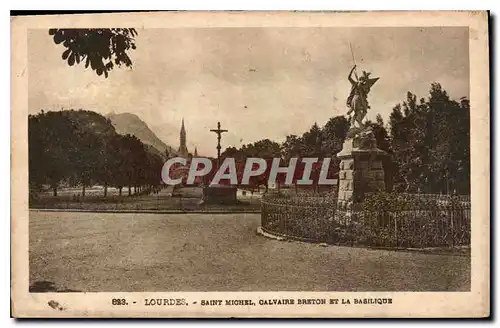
96	252
182	199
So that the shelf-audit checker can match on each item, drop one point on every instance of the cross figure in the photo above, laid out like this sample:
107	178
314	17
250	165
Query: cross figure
219	132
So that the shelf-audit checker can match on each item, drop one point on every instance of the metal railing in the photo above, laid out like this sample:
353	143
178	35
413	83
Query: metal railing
444	222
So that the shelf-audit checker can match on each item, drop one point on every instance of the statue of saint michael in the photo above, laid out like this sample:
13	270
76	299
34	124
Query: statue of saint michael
357	100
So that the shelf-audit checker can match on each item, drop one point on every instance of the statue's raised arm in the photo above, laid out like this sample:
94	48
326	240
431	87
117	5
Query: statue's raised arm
350	76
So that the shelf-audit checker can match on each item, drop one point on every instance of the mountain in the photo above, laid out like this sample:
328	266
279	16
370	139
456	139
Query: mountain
127	123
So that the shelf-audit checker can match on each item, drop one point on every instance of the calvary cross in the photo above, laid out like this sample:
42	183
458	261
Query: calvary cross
219	132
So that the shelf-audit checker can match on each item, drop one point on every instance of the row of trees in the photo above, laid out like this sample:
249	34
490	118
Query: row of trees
428	143
317	142
430	140
82	148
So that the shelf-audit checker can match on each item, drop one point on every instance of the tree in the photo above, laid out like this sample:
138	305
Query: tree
115	168
135	161
451	152
265	149
51	143
334	134
153	170
313	142
91	135
291	147
430	141
101	49
233	152
384	143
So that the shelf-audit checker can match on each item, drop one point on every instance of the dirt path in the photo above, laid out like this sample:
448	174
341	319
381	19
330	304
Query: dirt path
207	252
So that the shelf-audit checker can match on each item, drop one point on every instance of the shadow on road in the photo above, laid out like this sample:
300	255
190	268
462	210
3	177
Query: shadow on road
47	287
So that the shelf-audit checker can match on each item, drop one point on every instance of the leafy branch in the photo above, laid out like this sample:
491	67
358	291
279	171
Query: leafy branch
101	49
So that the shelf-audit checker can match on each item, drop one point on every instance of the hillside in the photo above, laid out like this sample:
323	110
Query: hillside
127	123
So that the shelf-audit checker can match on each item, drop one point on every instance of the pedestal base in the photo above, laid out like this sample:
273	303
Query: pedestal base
361	170
219	194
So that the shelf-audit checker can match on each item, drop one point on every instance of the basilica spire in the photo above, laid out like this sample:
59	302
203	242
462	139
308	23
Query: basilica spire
183	151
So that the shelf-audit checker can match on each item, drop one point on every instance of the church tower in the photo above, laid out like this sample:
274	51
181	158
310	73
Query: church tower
183	151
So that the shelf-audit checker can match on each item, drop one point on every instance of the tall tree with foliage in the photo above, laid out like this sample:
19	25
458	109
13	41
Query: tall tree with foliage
334	134
52	148
430	140
312	141
92	132
384	143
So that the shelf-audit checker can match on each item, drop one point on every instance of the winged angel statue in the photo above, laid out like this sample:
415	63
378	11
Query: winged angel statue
357	100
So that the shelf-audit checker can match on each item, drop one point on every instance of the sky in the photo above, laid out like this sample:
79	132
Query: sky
258	82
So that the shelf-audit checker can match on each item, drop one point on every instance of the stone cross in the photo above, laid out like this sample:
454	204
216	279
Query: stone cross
219	132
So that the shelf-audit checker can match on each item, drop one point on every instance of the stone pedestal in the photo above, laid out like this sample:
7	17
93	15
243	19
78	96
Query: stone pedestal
361	171
220	194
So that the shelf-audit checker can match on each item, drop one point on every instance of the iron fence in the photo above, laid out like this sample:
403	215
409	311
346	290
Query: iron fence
439	197
438	223
306	218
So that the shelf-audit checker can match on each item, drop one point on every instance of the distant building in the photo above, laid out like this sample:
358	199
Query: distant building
183	170
183	151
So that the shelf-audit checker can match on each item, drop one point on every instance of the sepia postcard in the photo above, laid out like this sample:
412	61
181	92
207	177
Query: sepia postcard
251	164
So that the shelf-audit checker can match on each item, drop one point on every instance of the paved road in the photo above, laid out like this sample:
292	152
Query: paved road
202	252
